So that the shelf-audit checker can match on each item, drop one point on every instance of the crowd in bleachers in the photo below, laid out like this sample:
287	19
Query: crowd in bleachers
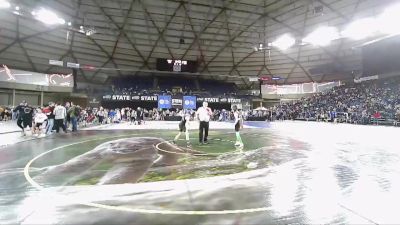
363	103
172	86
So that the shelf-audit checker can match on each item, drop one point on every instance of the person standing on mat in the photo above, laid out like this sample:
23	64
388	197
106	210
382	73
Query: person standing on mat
139	116
59	115
184	127
204	114
25	113
238	125
50	116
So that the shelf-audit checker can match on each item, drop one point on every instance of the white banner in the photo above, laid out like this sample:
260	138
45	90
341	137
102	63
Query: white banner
27	77
73	65
303	88
361	79
56	62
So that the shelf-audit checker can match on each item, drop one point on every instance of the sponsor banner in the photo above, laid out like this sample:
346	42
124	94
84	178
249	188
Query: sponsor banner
189	102
234	100
209	100
151	98
121	98
253	79
164	101
177	101
217	100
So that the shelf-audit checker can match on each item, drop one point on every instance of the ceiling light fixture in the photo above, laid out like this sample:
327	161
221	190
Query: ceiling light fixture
4	4
284	42
388	20
322	36
361	28
48	17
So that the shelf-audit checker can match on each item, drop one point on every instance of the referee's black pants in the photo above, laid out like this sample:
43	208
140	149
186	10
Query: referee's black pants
203	129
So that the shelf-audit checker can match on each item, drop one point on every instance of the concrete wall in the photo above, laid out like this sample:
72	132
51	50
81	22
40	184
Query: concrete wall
32	97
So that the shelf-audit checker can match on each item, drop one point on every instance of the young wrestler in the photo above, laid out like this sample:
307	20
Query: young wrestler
238	125
184	127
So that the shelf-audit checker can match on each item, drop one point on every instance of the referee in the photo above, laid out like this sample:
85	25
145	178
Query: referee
204	114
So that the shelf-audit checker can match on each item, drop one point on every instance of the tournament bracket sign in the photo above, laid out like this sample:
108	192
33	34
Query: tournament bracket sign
189	102
164	102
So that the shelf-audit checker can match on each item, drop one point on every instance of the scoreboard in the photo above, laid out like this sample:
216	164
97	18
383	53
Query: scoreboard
176	65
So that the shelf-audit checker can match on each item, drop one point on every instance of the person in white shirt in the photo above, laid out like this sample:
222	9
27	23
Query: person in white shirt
39	119
60	113
204	114
238	125
184	127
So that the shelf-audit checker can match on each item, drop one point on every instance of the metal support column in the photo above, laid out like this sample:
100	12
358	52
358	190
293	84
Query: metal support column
13	98
41	98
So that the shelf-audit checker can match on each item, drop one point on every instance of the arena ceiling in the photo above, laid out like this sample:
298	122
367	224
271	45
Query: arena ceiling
129	35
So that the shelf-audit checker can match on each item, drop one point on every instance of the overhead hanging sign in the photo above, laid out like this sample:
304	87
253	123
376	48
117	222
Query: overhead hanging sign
56	62
73	65
276	78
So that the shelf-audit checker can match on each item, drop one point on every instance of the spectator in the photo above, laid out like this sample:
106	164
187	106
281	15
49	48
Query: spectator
73	113
60	115
39	119
49	111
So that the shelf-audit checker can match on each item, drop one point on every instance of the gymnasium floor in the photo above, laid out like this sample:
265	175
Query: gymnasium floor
288	172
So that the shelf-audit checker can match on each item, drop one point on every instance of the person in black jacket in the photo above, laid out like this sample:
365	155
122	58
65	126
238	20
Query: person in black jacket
139	115
25	114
